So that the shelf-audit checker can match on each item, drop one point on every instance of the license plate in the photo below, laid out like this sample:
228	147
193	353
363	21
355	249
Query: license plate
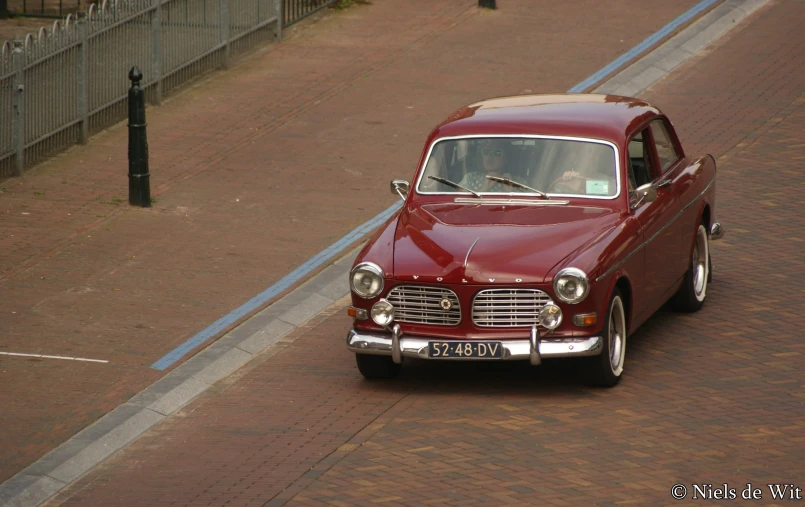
478	350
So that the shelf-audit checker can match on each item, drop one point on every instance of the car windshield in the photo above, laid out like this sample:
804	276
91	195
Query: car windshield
568	167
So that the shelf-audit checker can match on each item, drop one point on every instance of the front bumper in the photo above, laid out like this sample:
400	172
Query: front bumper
533	349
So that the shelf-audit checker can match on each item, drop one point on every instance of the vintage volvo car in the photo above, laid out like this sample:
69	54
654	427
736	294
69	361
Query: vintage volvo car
536	226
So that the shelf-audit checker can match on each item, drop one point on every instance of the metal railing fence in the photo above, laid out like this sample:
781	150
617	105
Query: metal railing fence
295	10
46	8
61	85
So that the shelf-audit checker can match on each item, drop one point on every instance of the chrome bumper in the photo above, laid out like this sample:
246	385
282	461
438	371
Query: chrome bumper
717	231
534	349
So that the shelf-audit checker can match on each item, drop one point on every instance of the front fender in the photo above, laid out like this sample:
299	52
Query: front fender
379	249
616	253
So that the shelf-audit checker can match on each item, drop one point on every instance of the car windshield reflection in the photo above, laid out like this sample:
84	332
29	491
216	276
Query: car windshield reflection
539	166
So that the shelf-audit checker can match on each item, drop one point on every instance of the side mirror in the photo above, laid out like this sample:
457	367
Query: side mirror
644	193
401	188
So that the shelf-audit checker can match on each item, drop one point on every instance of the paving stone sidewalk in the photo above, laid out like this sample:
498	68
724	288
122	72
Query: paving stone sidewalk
254	171
708	398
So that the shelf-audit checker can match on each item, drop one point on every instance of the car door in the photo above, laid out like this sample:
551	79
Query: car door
656	218
672	178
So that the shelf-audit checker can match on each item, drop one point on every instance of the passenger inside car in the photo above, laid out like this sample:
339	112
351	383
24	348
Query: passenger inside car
576	168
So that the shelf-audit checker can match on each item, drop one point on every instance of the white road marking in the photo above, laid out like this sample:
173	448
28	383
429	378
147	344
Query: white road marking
53	357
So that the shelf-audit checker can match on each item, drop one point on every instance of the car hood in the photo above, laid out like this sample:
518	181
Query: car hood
492	244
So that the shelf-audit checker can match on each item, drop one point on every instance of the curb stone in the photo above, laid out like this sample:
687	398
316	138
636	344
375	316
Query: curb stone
646	71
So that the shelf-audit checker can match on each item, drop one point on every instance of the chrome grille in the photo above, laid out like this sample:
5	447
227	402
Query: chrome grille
508	307
422	305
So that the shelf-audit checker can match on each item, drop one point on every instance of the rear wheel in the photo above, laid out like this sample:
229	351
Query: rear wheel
376	367
606	369
692	293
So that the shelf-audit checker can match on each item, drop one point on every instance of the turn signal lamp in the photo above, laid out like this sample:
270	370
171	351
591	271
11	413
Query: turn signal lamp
585	319
357	313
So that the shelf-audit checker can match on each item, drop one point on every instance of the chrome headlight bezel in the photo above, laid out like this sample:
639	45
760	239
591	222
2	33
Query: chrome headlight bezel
369	269
581	280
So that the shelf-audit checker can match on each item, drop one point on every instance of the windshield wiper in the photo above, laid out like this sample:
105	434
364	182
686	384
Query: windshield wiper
517	184
454	185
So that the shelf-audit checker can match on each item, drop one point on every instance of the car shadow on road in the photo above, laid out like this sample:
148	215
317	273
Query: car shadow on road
481	378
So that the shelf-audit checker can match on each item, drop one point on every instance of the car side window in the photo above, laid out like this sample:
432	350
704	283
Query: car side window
666	151
640	163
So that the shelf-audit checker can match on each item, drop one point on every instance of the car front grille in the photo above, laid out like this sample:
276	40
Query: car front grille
425	305
508	307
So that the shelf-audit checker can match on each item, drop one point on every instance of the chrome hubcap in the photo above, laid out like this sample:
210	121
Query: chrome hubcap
617	336
699	264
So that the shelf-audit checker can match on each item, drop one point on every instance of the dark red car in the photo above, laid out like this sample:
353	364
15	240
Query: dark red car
535	227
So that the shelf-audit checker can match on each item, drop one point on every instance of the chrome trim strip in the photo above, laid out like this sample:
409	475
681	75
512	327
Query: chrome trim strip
618	186
691	203
467	258
367	342
516	202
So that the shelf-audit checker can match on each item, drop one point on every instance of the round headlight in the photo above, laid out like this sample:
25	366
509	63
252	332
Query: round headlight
366	280
550	316
382	313
571	285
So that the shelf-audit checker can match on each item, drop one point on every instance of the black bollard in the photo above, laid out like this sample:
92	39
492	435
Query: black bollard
489	4
139	177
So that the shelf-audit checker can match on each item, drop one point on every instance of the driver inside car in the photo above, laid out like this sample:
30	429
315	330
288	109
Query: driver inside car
494	156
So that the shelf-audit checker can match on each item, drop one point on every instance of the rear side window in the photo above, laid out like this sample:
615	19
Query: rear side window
666	151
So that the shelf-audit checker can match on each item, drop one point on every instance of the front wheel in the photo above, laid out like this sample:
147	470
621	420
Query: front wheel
376	367
692	293
606	369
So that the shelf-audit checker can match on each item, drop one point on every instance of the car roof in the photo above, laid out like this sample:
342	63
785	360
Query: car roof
605	117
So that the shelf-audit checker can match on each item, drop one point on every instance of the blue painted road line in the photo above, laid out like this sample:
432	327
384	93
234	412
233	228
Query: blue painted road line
265	296
647	43
337	247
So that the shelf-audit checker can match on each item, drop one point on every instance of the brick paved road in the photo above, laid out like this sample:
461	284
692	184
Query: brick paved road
708	398
250	169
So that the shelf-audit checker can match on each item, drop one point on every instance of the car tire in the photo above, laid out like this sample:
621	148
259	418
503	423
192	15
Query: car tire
691	295
377	367
606	369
